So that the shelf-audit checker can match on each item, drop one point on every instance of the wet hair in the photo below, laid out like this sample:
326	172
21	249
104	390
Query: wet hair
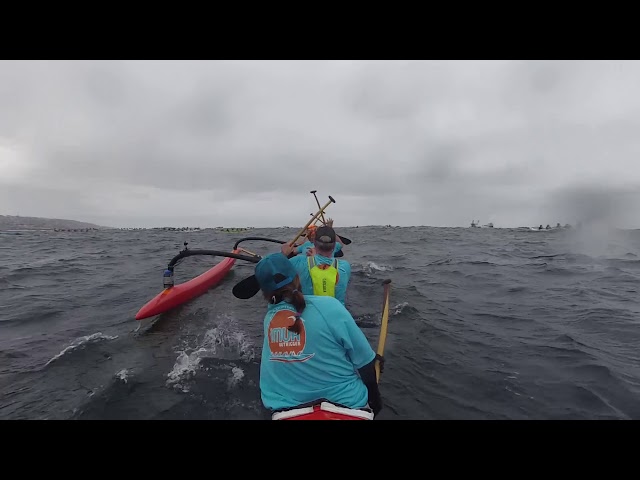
291	294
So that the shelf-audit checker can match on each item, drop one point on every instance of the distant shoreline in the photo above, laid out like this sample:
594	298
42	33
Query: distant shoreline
18	223
12	223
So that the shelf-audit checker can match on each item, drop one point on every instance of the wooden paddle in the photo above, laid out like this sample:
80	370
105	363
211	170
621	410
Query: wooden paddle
383	325
318	202
320	212
345	240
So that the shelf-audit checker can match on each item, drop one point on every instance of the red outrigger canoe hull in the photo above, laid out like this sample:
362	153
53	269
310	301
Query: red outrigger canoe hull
177	295
323	411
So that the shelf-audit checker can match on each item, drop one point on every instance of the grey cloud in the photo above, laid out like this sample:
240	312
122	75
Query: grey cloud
596	204
413	142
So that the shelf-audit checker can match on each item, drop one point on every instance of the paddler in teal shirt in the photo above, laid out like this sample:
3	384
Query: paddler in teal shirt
321	273
311	234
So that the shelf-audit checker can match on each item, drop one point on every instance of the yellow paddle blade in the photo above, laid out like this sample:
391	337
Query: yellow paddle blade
383	325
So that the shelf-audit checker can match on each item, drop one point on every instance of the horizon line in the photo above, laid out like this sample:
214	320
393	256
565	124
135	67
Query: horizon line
387	225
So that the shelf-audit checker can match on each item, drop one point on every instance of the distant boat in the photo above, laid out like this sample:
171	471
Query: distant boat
476	224
543	229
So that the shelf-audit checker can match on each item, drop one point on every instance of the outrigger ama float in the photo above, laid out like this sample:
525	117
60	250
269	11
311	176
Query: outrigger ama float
174	295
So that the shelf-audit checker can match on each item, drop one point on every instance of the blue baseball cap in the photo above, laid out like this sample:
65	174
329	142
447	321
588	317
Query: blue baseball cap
274	272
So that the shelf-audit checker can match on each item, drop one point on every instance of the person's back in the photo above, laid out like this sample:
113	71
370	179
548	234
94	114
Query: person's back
312	350
318	363
332	281
322	273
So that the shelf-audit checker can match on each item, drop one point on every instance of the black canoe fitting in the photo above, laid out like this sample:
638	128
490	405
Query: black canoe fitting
282	242
262	239
215	253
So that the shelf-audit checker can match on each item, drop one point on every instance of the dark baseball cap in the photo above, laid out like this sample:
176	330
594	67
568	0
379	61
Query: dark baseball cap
274	272
326	235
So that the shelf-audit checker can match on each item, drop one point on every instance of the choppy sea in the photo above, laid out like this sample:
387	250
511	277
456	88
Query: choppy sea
485	324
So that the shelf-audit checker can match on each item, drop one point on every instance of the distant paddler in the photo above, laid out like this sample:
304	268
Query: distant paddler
320	272
248	287
327	221
307	247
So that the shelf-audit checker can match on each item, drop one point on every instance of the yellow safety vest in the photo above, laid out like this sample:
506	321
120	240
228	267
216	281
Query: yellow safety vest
324	277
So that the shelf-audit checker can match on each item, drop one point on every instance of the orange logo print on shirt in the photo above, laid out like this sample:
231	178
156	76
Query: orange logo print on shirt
285	345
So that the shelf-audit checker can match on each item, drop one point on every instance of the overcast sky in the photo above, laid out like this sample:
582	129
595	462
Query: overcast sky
241	143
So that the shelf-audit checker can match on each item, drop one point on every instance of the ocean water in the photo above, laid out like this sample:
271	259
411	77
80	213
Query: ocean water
485	324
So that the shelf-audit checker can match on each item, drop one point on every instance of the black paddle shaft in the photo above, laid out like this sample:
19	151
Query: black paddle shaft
261	239
215	253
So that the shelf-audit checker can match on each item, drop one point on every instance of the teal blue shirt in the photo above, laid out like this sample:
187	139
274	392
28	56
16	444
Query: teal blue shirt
307	245
300	263
320	362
